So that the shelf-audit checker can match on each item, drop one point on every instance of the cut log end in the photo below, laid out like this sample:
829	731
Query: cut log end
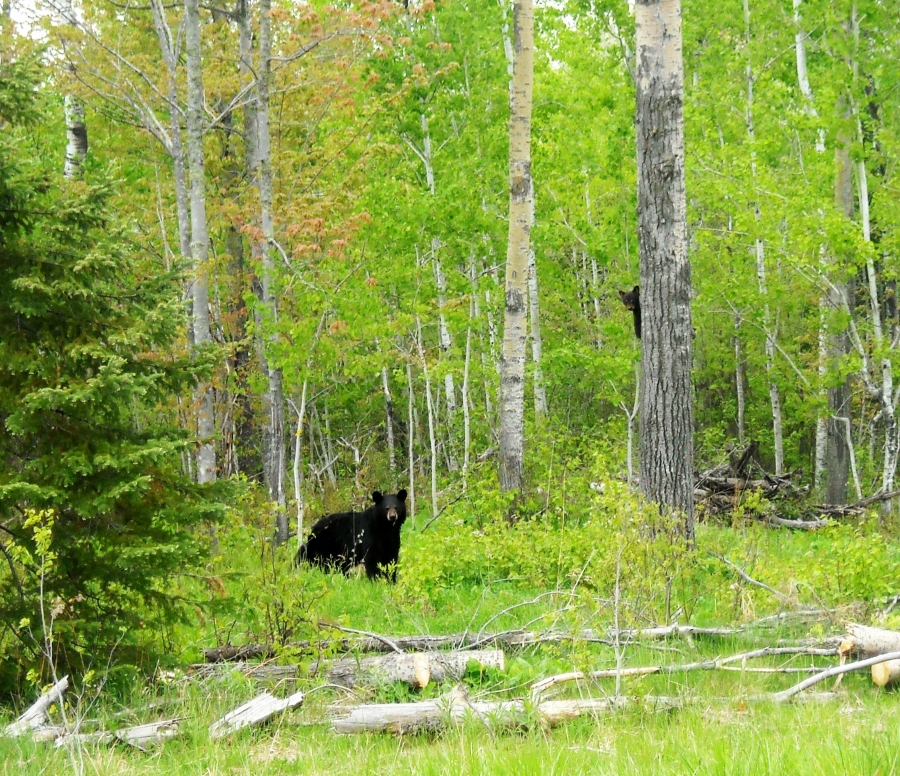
886	674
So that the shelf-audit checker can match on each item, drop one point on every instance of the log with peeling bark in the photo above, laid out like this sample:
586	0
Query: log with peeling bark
253	712
866	641
36	715
139	736
455	709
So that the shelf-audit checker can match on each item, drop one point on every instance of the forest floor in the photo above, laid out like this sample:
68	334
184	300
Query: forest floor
720	725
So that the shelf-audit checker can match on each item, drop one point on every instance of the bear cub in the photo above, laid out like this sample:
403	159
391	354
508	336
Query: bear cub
346	539
632	301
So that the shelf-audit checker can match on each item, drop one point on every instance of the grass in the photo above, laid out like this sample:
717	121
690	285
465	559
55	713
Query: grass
717	730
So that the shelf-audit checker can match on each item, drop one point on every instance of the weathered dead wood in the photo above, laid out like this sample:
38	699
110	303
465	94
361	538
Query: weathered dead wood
786	695
856	508
468	641
543	685
36	714
865	640
254	712
139	736
415	669
455	709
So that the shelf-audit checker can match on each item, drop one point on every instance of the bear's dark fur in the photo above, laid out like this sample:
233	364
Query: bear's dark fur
632	300
346	539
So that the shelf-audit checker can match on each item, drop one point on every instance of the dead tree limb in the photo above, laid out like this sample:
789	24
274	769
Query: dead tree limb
36	714
254	712
785	695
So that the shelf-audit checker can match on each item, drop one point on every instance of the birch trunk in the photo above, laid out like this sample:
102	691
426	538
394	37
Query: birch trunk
521	212
206	455
410	441
739	378
431	418
537	345
389	418
768	325
73	111
667	442
275	457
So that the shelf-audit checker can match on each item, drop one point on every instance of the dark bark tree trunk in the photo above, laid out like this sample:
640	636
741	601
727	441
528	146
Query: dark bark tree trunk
666	403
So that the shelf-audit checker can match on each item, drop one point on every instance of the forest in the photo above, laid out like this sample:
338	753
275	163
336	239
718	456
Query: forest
628	352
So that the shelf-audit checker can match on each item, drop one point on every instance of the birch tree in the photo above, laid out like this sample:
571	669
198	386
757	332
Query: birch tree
206	425
521	215
666	404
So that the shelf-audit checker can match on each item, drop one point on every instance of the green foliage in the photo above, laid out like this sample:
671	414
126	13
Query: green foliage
87	369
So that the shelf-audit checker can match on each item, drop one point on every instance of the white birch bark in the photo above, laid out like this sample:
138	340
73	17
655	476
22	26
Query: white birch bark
431	420
206	455
389	418
73	110
537	346
521	209
410	442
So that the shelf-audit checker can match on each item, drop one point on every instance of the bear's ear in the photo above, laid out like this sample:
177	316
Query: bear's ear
376	497
622	295
636	290
402	495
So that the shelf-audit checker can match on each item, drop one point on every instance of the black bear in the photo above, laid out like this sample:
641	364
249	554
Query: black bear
632	300
346	539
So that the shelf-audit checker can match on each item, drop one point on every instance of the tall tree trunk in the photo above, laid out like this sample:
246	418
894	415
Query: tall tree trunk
206	427
521	212
667	424
275	457
838	438
769	327
389	418
410	441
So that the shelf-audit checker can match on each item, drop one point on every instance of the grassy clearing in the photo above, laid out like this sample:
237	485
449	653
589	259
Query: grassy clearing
717	729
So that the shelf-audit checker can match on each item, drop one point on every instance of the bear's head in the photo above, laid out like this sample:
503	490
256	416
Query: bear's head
391	508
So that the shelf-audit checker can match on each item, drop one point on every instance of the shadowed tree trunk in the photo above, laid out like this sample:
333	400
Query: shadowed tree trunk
666	405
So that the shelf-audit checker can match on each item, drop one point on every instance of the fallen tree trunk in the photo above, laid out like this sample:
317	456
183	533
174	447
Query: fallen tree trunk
415	669
253	712
887	673
867	641
138	736
468	641
36	714
456	709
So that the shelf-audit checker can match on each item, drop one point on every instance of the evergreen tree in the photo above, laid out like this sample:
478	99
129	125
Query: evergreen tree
95	515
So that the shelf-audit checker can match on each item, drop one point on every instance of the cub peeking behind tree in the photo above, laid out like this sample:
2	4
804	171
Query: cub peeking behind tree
632	300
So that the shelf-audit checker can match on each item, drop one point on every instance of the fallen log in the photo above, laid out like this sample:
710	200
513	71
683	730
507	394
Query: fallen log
36	714
456	709
254	712
887	673
866	641
139	736
415	669
516	638
857	507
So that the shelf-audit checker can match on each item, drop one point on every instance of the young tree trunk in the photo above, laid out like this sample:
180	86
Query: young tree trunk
389	418
275	457
667	441
410	441
838	450
206	427
431	419
73	108
768	325
521	212
739	378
